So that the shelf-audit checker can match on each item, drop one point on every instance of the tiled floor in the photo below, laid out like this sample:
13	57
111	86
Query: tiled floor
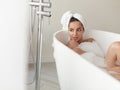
49	80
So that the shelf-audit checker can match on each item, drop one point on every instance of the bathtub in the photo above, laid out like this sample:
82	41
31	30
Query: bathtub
77	73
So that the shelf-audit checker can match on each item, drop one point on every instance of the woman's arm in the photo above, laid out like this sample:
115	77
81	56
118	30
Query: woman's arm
78	50
74	46
89	40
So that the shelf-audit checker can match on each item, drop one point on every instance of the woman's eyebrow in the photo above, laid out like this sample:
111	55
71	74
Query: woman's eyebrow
79	27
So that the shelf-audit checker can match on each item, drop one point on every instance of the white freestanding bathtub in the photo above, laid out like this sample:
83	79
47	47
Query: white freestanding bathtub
77	73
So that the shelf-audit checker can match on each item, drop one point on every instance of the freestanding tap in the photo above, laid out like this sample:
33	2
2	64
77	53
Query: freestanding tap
41	5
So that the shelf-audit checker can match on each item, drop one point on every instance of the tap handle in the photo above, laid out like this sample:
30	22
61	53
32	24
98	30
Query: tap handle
45	13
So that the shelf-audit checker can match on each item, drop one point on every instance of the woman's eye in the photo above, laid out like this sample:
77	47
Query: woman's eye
71	30
79	30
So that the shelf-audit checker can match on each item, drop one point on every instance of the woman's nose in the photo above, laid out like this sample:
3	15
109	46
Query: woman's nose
75	33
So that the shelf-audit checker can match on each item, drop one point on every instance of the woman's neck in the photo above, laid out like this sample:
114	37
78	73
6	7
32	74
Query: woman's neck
80	41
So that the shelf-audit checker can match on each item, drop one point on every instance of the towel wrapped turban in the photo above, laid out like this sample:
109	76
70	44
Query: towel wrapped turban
68	15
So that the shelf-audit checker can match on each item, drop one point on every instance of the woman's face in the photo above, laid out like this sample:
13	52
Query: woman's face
76	31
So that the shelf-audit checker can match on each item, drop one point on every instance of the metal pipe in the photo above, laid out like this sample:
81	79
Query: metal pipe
32	29
39	49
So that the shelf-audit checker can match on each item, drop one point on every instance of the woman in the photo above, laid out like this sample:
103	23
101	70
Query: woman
75	24
76	30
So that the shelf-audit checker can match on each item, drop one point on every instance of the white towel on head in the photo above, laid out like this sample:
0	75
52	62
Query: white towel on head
68	15
65	19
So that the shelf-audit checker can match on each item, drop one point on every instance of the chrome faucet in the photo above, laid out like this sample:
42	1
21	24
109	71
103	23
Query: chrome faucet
41	5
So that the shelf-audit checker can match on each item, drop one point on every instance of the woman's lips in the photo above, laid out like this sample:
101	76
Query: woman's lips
75	38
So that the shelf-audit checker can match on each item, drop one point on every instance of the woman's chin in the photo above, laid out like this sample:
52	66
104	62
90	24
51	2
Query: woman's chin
76	40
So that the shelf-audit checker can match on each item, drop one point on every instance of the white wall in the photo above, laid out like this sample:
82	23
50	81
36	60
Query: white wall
13	43
99	14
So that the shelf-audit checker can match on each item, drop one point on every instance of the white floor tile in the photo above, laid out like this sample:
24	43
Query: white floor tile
49	80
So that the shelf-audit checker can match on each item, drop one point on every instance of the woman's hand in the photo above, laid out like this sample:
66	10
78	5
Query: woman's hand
72	44
89	40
